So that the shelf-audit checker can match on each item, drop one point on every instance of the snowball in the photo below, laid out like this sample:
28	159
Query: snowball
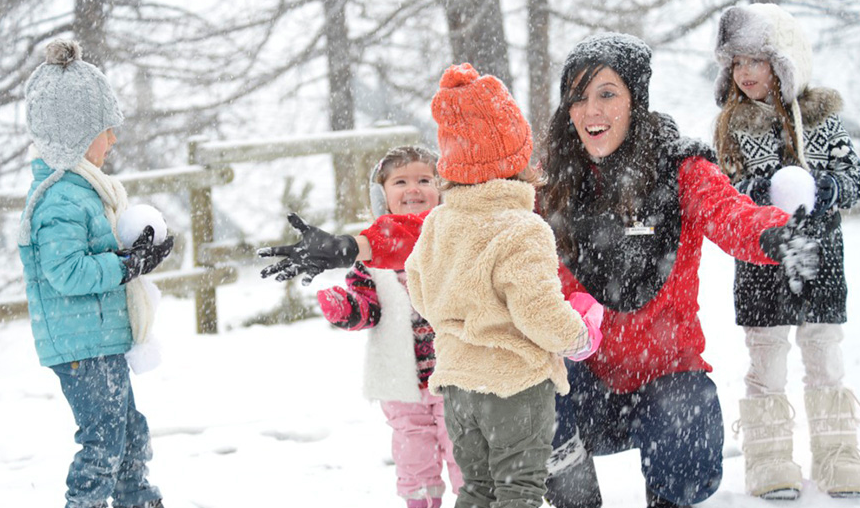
131	223
791	187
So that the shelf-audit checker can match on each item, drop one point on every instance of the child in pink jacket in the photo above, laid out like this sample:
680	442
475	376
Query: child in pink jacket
400	355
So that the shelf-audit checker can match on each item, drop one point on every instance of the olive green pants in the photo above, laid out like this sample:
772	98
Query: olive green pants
501	445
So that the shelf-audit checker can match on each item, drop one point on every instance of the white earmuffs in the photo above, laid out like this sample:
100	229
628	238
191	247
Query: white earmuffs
378	203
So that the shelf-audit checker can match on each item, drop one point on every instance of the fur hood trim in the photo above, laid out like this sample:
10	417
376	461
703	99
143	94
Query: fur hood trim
768	31
816	105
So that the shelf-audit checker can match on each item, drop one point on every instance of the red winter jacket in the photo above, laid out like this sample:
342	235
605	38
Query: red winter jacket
664	336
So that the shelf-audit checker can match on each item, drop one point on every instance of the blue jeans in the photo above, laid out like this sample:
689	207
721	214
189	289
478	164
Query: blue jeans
675	421
113	435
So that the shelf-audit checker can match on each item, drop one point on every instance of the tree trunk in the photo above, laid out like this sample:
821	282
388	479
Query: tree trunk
341	109
477	33
89	27
539	71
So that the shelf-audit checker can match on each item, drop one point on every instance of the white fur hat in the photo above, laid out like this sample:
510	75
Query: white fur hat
69	102
769	31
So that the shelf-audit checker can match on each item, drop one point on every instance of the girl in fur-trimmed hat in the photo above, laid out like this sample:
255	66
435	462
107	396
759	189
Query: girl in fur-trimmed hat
86	301
772	118
399	357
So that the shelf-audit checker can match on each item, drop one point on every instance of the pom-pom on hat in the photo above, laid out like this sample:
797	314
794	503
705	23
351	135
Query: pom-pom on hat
768	31
68	103
482	133
625	54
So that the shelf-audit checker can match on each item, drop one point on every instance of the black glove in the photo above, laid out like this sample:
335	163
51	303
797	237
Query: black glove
826	194
143	256
790	246
757	188
315	253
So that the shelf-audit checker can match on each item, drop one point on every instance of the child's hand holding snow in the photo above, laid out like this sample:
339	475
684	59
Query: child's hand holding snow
143	235
144	255
133	221
592	315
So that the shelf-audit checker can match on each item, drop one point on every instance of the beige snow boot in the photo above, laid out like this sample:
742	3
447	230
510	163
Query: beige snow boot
770	473
832	416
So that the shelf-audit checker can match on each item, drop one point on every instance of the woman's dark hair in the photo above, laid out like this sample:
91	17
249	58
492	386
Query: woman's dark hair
625	176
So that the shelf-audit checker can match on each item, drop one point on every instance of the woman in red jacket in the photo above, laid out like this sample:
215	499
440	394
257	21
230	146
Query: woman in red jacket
630	202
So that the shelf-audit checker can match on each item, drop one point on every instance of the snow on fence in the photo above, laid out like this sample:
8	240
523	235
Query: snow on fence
208	166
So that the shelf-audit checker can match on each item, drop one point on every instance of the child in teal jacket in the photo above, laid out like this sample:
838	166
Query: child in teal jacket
85	301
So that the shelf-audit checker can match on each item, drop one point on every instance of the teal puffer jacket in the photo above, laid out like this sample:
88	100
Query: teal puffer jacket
77	306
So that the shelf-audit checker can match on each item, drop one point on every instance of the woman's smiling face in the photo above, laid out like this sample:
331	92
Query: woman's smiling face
601	115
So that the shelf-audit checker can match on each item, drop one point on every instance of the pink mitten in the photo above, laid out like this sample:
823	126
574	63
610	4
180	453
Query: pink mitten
592	315
334	304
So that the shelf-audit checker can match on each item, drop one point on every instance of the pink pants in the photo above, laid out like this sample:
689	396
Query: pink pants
419	444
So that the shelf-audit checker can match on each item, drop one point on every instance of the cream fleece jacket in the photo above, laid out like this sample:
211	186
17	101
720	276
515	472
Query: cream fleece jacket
484	273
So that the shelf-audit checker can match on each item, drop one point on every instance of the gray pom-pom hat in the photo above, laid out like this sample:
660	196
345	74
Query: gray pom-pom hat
766	31
69	102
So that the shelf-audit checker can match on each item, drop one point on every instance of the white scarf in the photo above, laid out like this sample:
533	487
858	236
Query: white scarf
141	307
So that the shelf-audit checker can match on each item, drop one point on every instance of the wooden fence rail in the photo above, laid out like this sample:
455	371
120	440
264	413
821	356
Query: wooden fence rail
209	166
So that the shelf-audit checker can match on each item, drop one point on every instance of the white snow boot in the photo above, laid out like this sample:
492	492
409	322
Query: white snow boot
832	416
767	444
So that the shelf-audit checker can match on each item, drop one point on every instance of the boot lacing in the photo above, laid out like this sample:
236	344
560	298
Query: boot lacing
844	453
737	425
838	455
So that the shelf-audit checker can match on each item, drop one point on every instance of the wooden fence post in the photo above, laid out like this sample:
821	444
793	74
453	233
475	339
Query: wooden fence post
202	232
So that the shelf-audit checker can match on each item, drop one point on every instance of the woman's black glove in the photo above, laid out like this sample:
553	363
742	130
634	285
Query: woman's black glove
757	188
315	253
826	194
143	256
797	253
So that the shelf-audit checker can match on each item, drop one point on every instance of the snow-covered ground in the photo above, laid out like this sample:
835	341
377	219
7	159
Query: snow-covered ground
273	416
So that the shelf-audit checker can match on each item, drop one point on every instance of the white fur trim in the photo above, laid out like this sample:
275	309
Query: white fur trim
390	369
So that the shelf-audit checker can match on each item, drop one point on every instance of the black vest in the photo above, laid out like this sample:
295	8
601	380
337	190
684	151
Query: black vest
618	265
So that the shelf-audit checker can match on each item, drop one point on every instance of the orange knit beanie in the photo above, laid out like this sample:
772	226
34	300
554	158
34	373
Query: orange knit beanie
482	133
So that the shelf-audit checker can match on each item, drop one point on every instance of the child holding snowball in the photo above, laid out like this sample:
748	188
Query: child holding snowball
771	118
400	356
86	303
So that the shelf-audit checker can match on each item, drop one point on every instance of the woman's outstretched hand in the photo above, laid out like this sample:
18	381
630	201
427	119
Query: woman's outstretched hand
798	253
315	253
